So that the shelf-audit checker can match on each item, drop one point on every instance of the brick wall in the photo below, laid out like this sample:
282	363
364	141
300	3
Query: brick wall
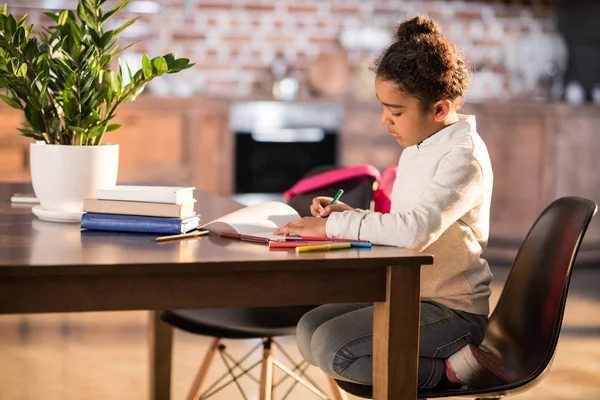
512	44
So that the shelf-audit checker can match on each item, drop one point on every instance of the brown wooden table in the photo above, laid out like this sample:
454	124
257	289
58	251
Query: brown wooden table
53	267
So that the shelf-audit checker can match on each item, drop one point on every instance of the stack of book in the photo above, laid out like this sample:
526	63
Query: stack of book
150	209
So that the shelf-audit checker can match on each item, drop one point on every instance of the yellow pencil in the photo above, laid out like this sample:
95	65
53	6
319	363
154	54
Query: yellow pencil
182	236
323	247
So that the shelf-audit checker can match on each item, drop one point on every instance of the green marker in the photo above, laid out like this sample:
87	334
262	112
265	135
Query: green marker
335	198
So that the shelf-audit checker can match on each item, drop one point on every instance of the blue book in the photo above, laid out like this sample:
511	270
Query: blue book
137	223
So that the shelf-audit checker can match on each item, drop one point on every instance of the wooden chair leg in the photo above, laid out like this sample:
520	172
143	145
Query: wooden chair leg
194	392
338	394
266	376
272	368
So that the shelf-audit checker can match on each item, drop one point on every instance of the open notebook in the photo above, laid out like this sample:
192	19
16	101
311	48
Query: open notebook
257	221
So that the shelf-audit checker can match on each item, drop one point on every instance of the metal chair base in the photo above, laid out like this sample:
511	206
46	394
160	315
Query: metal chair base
266	383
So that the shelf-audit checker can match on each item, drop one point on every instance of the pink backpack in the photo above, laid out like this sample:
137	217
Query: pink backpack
381	195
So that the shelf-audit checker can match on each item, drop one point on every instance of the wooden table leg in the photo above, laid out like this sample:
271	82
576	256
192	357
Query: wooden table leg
396	335
160	342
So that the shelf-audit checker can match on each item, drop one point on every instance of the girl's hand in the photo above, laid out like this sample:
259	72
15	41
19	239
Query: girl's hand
307	226
321	207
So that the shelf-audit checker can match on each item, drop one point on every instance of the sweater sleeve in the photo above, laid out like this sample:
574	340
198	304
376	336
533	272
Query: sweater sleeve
453	191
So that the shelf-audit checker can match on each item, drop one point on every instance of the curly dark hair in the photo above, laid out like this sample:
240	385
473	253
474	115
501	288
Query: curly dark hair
424	64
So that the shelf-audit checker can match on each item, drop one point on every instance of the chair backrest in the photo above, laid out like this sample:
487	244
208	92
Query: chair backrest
525	325
358	192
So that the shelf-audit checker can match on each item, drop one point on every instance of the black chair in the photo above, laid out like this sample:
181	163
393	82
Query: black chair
246	323
524	327
265	323
358	192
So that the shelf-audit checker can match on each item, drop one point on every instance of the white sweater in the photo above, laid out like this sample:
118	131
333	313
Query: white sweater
440	205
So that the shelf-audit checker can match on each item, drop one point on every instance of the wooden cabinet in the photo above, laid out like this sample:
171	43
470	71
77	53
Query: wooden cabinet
572	163
14	148
515	142
538	152
175	142
151	146
161	141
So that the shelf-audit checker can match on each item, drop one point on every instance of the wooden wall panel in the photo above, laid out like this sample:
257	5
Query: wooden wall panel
577	162
14	148
515	145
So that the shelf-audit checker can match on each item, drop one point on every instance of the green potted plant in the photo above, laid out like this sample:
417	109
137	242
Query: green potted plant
67	85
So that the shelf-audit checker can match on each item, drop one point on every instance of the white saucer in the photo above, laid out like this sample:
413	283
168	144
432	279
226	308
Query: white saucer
55	216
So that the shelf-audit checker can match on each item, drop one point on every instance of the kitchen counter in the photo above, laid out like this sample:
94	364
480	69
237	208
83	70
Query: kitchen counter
539	151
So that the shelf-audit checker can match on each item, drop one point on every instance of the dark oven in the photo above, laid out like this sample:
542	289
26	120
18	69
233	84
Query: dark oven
277	143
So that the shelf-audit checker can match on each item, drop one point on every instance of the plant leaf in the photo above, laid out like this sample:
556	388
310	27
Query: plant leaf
95	131
109	88
34	118
69	105
115	10
31	49
87	83
12	94
88	121
105	60
96	39
12	102
131	79
76	31
86	16
43	98
10	26
33	101
125	26
179	64
161	65
113	127
22	72
23	20
55	127
53	16
169	58
31	134
146	67
120	82
62	17
132	96
106	38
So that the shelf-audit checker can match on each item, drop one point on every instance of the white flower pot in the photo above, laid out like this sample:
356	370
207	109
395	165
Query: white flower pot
63	175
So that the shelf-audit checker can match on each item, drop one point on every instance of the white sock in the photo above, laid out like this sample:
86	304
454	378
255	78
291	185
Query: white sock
469	371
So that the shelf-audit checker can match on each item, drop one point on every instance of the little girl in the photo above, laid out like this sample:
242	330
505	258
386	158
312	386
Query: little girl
440	205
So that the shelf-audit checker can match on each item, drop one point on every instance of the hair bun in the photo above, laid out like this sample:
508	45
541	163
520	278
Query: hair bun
412	28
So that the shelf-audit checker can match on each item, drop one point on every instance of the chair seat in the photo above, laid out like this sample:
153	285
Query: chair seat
237	323
366	391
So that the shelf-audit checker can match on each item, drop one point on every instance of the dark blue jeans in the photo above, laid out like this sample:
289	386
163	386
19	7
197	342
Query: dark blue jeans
338	338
